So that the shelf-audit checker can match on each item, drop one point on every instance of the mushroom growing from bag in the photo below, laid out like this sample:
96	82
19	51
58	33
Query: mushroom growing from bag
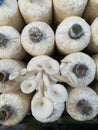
37	38
10	43
36	10
54	98
46	65
72	35
8	66
82	104
10	15
90	12
78	69
66	8
14	107
93	45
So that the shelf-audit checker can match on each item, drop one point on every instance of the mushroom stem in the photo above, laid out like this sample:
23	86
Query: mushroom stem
84	107
76	31
46	80
38	79
1	2
39	88
4	76
38	76
5	113
35	35
80	70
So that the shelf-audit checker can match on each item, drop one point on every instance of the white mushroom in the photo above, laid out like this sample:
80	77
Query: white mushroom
25	79
31	84
10	44
82	104
72	35
51	66
36	10
78	69
57	93
45	64
37	38
28	86
41	108
10	14
58	109
93	45
14	107
7	67
66	8
36	62
90	12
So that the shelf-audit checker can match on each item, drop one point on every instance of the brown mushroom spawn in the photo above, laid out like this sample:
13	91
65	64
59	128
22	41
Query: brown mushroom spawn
76	31
3	40
84	107
4	76
82	104
36	35
5	113
80	70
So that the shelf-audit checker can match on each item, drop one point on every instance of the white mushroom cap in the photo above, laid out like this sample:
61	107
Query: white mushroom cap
41	107
36	62
82	104
51	66
28	86
57	93
58	109
72	35
78	69
45	64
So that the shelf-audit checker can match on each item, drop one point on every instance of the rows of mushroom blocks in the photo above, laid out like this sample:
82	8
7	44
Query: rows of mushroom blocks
38	85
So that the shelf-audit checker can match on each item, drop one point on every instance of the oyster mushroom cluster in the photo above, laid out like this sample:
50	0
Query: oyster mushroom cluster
48	102
48	60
